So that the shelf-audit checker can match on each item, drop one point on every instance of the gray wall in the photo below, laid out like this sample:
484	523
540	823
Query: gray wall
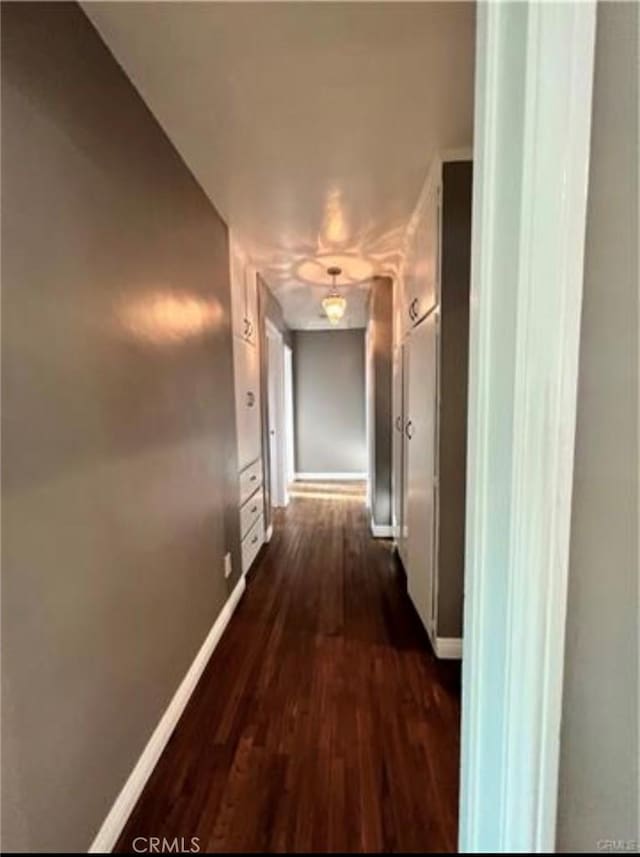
119	460
598	797
329	401
454	360
380	410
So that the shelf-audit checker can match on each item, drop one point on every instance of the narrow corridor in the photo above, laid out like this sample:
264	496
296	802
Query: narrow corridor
323	722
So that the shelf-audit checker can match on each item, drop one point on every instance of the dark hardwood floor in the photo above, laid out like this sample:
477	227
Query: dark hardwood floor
323	722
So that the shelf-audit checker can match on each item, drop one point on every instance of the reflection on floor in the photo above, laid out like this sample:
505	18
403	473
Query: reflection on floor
323	722
349	491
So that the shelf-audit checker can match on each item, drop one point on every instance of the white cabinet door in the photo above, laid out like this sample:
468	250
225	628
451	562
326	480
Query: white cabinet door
251	304
421	429
422	274
247	380
238	300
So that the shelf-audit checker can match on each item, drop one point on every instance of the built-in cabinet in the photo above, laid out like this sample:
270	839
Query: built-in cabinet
431	329
246	361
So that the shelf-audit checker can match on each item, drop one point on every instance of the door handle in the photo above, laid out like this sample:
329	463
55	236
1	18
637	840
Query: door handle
247	323
413	311
250	399
409	429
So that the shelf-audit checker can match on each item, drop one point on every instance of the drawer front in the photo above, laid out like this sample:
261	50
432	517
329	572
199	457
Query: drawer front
251	511
251	544
250	480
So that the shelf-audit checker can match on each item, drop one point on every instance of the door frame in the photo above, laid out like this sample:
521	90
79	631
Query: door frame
275	415
289	428
534	72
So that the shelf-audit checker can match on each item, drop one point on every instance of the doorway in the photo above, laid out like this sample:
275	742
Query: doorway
276	422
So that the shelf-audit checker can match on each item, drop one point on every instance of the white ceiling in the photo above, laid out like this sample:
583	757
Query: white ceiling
309	125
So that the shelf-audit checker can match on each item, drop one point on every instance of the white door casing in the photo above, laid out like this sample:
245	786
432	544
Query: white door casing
289	428
275	415
534	73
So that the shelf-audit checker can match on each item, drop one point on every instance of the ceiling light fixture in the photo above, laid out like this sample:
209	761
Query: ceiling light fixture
334	304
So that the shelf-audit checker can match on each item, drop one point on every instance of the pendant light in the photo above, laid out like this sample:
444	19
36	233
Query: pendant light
334	304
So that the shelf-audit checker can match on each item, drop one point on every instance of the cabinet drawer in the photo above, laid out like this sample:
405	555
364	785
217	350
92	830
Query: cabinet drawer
251	511
250	480
252	543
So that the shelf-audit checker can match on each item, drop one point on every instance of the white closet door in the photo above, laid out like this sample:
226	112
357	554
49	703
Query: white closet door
421	428
247	377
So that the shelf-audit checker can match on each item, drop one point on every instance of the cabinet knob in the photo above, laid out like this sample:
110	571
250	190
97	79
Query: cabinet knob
254	540
409	429
250	399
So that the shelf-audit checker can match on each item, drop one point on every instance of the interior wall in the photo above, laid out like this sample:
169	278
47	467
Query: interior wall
119	492
598	790
454	372
380	356
329	401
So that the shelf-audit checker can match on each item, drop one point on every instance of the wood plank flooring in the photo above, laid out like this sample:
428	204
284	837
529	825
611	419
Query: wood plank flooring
323	722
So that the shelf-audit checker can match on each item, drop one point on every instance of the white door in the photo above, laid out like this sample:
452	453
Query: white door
421	434
397	435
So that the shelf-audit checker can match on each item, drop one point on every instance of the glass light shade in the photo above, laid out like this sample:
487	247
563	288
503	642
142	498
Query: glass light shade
334	306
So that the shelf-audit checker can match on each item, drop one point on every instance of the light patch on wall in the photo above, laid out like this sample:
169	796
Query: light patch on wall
335	226
166	318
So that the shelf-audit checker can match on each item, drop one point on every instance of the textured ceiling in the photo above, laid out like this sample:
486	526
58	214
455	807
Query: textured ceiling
309	125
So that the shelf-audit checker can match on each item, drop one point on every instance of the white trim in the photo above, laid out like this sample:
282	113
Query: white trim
276	415
289	427
534	74
115	821
449	648
381	531
336	477
268	533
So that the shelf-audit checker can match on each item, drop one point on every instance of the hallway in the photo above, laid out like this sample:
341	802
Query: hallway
323	722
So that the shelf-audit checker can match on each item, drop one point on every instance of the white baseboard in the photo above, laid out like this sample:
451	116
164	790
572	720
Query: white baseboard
115	821
268	533
449	648
381	531
341	477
